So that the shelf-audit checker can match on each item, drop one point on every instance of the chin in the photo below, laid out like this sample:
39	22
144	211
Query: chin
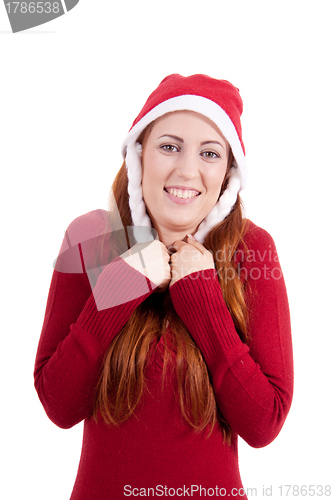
183	228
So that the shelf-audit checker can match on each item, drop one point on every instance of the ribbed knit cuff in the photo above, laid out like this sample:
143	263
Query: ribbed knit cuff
118	291
198	300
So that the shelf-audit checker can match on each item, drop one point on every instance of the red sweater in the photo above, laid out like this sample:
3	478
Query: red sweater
156	453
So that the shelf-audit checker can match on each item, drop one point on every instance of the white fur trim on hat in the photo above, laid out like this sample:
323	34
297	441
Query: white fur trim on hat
132	152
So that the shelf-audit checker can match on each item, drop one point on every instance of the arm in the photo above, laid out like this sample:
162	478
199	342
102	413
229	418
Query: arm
78	328
253	383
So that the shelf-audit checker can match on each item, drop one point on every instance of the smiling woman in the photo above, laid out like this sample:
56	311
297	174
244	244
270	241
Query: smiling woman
182	172
169	334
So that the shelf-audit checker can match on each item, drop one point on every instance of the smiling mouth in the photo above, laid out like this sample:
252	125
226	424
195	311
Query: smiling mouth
182	193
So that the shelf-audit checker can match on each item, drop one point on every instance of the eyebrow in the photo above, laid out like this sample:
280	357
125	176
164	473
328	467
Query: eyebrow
212	142
176	138
172	137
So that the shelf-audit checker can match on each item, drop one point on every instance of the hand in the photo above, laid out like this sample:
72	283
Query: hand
152	260
189	257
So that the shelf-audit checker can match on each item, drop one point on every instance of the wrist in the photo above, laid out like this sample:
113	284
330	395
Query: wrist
192	273
134	261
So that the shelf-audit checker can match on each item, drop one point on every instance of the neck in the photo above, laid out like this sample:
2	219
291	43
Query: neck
169	237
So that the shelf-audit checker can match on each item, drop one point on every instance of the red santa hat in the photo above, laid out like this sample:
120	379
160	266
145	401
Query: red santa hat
219	101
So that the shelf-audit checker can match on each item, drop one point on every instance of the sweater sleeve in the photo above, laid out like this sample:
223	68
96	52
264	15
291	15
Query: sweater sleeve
79	325
253	383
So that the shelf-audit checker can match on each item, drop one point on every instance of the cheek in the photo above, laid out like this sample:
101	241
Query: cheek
215	180
156	169
146	171
149	181
149	164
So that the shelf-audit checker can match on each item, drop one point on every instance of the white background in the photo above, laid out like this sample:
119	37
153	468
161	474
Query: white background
69	91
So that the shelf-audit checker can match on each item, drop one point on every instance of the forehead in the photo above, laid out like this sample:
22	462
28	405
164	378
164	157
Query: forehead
188	122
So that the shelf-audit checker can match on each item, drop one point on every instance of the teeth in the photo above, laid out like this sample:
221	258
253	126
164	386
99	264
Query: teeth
182	193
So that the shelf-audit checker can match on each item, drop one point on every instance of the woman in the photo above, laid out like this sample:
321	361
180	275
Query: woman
184	342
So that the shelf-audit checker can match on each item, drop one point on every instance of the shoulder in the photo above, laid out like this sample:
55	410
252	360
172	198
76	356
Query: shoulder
82	241
257	250
255	236
88	226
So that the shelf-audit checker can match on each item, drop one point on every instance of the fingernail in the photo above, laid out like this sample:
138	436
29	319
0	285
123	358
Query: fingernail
191	237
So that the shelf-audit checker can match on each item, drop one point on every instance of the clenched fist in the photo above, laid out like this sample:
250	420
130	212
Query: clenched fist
188	258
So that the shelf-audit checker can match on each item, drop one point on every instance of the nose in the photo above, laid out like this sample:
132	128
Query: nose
188	165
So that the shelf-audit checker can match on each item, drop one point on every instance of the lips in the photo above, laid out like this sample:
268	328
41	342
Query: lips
182	192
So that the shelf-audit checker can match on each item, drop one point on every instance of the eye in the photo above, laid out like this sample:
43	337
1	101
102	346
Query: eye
210	155
169	148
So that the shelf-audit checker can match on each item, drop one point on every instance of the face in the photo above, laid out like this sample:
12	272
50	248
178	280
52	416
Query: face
184	162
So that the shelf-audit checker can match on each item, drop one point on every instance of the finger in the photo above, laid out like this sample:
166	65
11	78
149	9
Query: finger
192	241
176	246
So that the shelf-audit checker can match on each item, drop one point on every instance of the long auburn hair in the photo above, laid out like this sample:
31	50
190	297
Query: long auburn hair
122	380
